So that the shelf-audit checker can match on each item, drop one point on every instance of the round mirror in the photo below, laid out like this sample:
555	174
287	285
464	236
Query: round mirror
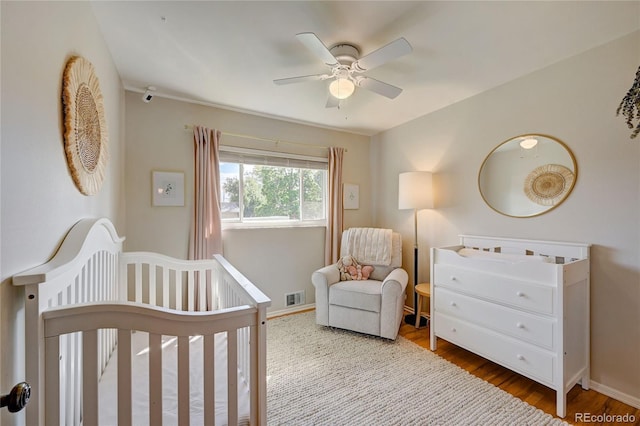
527	175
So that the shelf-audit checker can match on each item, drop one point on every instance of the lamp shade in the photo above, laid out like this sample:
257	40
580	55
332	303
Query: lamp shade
415	190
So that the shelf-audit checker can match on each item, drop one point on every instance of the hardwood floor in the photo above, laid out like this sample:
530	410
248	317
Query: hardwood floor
580	403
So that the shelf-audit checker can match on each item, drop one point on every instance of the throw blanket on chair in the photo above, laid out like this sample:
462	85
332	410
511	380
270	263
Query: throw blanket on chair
370	246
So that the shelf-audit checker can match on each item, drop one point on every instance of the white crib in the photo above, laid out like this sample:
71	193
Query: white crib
84	306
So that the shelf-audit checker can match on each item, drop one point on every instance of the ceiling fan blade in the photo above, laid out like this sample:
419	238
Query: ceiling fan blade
301	79
387	53
332	102
315	45
378	87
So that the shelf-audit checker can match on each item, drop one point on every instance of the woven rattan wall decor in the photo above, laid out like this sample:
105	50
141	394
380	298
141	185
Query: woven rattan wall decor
85	127
549	184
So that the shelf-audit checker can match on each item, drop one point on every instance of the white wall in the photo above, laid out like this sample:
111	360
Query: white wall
39	199
575	101
278	260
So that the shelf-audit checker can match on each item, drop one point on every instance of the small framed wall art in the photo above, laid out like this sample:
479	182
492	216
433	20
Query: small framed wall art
167	188
351	197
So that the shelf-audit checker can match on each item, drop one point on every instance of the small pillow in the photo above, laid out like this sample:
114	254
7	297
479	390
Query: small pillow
379	273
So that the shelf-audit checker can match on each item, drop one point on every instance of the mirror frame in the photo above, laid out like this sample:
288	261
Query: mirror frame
549	208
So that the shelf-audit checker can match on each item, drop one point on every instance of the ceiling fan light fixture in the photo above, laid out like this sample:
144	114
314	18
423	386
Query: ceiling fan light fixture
341	88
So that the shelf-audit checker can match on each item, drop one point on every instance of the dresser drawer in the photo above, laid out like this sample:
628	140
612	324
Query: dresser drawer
518	293
522	325
518	356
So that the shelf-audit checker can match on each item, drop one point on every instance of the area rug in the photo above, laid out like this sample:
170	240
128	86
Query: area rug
323	376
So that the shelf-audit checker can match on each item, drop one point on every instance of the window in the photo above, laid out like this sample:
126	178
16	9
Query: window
259	187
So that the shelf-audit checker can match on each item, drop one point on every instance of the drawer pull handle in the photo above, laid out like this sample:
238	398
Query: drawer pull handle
520	294
520	325
453	329
453	278
453	304
520	357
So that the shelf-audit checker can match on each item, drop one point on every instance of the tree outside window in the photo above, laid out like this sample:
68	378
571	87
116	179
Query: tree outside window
272	193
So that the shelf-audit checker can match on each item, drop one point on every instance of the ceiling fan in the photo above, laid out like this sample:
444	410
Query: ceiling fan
347	67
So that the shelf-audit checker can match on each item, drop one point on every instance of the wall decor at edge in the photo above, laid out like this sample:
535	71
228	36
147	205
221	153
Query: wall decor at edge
167	188
85	127
351	199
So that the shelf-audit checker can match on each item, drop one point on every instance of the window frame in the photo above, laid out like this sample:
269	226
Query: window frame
230	153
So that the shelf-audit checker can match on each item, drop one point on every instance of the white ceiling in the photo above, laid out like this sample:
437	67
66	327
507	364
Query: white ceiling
227	54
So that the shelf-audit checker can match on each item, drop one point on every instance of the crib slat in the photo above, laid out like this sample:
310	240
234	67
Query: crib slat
152	284
68	354
52	380
215	287
165	287
208	349
123	281
232	377
74	379
138	282
190	291
179	304
184	398
86	282
71	379
90	377
100	278
202	290
155	379
124	378
254	370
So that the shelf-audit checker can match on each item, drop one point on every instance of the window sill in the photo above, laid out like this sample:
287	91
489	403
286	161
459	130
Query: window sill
266	225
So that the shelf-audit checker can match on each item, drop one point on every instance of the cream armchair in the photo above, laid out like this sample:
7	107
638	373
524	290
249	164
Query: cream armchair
373	306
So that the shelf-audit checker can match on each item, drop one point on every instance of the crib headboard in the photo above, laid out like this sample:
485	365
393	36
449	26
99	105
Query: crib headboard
562	252
84	269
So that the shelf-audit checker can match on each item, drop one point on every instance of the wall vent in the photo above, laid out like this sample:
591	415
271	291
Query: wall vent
296	298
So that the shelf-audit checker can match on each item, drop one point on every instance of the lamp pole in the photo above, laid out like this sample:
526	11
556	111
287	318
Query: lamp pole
415	192
411	318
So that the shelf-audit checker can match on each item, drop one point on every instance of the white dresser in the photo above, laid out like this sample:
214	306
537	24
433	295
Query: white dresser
505	302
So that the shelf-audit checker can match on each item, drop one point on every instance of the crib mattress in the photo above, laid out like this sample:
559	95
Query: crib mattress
108	413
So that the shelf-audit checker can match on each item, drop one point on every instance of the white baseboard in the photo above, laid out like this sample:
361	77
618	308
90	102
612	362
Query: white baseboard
291	310
615	394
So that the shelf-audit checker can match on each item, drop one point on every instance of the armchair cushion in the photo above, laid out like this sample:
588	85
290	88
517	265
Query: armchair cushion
379	272
364	295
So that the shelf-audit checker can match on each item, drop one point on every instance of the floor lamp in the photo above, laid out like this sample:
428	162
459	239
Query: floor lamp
415	192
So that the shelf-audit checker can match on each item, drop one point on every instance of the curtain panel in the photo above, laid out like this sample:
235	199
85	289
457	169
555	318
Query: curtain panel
334	220
206	227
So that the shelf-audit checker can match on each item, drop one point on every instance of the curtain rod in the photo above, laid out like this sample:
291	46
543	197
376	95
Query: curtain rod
188	127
